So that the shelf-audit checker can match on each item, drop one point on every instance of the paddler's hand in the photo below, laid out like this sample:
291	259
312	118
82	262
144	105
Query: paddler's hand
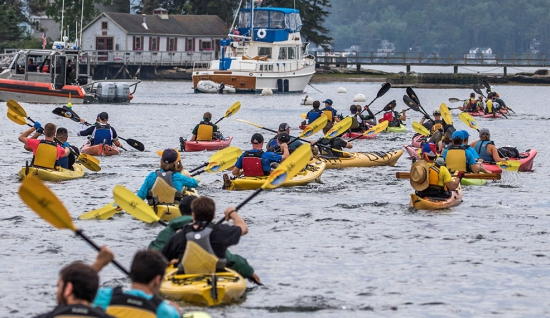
229	212
82	120
460	175
104	257
255	279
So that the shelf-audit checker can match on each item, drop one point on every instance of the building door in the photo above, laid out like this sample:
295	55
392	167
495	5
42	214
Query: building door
102	45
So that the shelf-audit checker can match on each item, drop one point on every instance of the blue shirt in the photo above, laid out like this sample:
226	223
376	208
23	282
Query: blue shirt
178	179
104	295
267	158
292	145
473	152
313	114
470	159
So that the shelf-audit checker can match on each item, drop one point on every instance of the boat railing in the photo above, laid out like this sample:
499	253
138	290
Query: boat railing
176	58
262	67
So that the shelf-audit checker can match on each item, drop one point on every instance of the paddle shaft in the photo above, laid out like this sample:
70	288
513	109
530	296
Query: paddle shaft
383	90
250	197
199	167
92	243
488	176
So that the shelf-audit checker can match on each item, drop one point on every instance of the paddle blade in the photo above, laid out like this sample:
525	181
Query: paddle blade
419	128
132	204
102	213
67	113
16	118
468	120
16	108
249	122
446	114
289	167
90	162
232	110
340	128
385	88
478	91
135	144
487	86
455	100
411	103
509	165
303	115
229	151
377	129
43	201
413	95
313	128
224	163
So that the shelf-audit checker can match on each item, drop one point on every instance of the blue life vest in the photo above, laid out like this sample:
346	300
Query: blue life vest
103	133
481	148
313	115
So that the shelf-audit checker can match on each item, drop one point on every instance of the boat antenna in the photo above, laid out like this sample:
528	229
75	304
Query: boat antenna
62	16
237	15
81	24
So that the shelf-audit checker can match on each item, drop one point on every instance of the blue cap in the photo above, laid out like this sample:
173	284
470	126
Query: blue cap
426	147
329	101
457	135
465	134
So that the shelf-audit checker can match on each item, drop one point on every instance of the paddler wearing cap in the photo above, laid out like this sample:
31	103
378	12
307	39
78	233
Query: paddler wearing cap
256	162
430	177
358	121
486	148
458	158
273	143
165	185
101	132
205	130
330	112
332	145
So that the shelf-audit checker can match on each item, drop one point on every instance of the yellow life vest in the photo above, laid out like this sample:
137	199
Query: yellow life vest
456	159
46	154
328	112
436	127
163	189
130	306
205	132
490	106
433	176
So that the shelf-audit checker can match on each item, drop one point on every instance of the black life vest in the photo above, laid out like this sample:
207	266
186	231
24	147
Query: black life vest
129	306
77	311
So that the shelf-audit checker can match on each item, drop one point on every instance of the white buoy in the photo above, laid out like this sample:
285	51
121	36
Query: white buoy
306	101
267	92
341	90
359	98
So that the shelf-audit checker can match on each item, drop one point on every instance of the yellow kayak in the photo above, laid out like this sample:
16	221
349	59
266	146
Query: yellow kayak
436	204
167	212
312	173
58	174
198	288
363	159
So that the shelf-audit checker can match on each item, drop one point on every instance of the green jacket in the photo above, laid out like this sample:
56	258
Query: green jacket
234	261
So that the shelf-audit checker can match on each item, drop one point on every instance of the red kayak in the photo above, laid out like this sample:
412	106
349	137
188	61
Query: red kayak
412	151
100	150
352	134
191	146
526	158
497	115
480	113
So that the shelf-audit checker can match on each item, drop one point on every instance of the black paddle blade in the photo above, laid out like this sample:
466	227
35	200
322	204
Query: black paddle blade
385	88
413	95
135	144
478	90
409	102
487	86
66	112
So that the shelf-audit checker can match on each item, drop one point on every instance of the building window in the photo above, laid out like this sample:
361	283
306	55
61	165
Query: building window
104	25
206	46
154	43
189	45
138	43
172	44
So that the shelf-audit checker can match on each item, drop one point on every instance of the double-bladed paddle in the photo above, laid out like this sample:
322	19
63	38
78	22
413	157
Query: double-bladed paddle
373	130
45	203
419	128
219	155
288	168
413	105
456	100
69	113
445	114
488	176
18	115
414	97
468	120
383	90
230	112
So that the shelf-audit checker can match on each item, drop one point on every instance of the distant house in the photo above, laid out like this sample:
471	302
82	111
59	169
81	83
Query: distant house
479	52
157	37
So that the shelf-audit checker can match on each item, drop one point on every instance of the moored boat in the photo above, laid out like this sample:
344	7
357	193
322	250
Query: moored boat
362	159
312	173
206	86
526	158
212	145
428	203
207	289
99	150
265	52
58	174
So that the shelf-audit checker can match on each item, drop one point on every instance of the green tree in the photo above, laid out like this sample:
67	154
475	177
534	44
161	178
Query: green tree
10	17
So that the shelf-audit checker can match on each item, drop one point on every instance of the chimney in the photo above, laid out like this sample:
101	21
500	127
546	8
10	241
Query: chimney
144	23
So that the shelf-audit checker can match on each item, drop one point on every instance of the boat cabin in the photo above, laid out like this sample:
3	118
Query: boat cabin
48	66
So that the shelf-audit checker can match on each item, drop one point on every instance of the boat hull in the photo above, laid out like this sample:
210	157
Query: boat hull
213	145
528	157
100	150
433	204
364	159
59	174
36	92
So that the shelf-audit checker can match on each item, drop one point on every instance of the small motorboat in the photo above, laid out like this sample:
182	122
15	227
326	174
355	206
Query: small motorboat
207	86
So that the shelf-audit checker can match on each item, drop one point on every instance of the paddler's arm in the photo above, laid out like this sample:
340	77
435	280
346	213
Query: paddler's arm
231	214
24	136
284	148
450	182
104	257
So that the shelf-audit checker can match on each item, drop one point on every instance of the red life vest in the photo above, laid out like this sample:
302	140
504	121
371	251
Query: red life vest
252	164
387	116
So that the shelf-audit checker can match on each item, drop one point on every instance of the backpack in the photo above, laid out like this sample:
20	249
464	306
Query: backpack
510	152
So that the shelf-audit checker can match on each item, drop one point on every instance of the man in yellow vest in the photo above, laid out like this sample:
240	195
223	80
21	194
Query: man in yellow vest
45	151
205	130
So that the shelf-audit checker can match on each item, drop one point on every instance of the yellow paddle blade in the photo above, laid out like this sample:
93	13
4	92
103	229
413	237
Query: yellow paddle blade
43	201
249	122
223	163
229	151
232	110
340	128
89	162
446	114
377	129
16	118
509	165
16	108
289	167
102	213
132	204
303	115
313	128
468	120
419	128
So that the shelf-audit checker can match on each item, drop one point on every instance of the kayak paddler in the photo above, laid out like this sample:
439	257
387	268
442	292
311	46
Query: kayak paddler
205	130
100	132
46	151
431	178
273	143
336	143
458	158
256	162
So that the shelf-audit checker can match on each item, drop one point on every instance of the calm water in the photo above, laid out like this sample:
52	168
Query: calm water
349	246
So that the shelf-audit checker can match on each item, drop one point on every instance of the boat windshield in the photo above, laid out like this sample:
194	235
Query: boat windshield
266	19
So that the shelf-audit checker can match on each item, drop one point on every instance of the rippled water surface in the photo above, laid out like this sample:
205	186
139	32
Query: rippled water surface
348	246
